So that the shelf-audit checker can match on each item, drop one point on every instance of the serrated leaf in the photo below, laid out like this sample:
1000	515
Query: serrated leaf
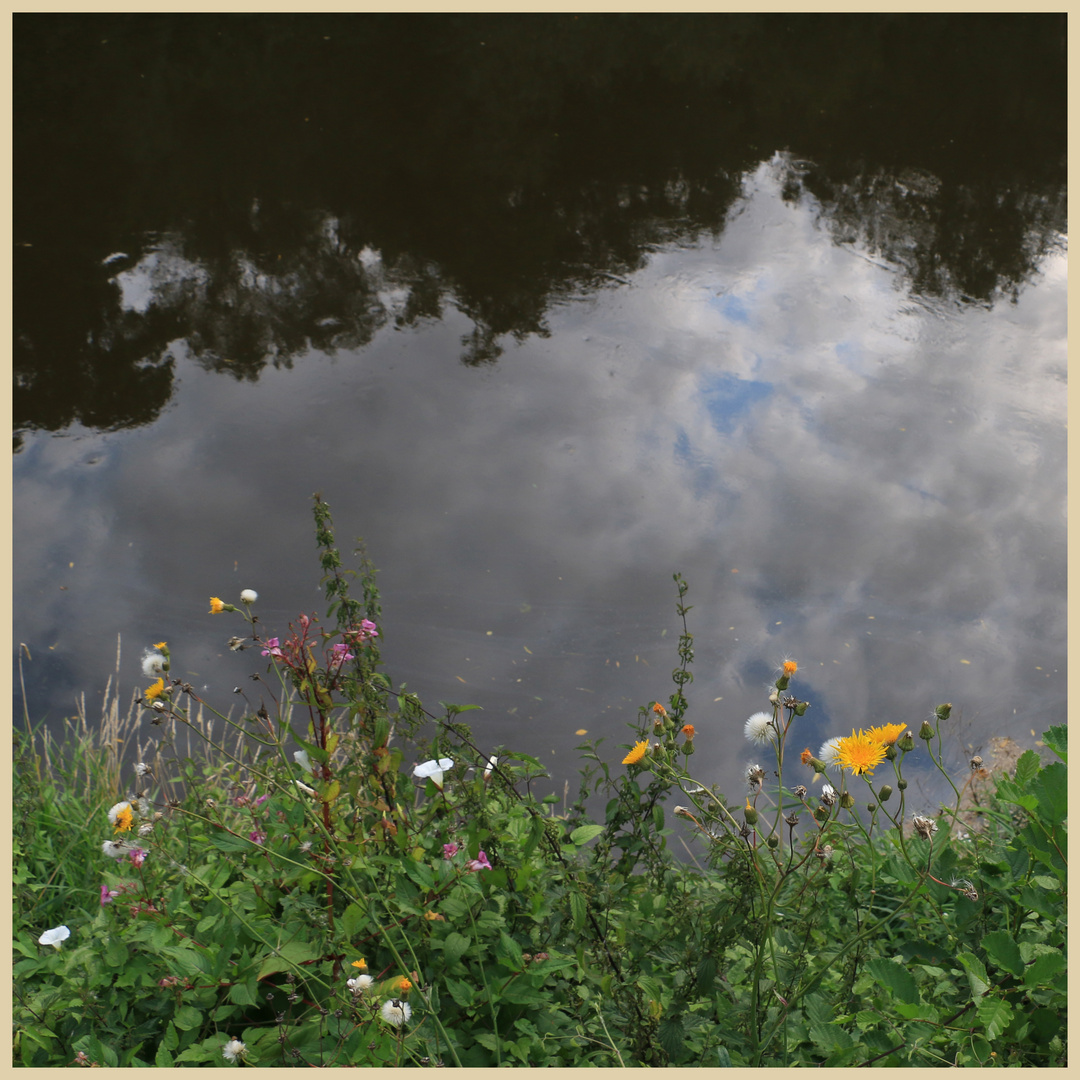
1052	788
288	956
162	1058
1043	968
894	978
1057	738
995	1015
1027	766
462	992
1003	951
976	973
352	919
670	1035
509	952
455	946
577	910
584	833
187	1017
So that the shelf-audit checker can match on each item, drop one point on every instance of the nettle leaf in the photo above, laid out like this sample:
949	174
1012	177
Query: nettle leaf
670	1035
584	833
577	910
895	978
1002	949
995	1014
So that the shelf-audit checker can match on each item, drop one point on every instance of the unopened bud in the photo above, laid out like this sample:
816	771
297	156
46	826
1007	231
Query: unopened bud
847	800
926	731
800	709
688	746
902	784
751	815
782	682
871	806
906	742
890	752
772	841
884	793
942	711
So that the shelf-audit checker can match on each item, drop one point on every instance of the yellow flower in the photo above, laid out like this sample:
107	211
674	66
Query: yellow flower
790	667
216	606
659	709
887	733
641	748
860	753
156	690
361	964
434	916
123	819
162	645
403	985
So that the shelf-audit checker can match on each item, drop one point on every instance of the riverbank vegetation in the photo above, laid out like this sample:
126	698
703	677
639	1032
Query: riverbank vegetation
327	873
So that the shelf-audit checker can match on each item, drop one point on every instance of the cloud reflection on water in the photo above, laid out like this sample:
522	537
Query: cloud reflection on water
871	484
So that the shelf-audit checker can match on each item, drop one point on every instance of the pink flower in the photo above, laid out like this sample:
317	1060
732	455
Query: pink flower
273	647
108	895
257	836
449	850
340	655
261	799
479	863
137	856
362	634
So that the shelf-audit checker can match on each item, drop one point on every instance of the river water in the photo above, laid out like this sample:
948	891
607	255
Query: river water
823	381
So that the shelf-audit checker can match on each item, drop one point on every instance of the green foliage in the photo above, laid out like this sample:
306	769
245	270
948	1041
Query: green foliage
281	901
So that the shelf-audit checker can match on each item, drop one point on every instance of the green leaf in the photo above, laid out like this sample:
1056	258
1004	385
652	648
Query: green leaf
1043	968
455	946
462	992
1051	787
894	978
288	956
352	919
976	973
225	841
1026	767
584	833
187	1017
163	1059
509	952
1057	739
170	1040
670	1035
1002	949
995	1015
577	910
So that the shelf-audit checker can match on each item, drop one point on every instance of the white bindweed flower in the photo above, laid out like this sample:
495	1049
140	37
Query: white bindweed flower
153	664
396	1012
760	729
433	770
233	1050
55	936
248	596
360	983
301	758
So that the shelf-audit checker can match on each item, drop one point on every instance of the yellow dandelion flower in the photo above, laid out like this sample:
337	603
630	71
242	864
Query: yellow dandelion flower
156	690
641	748
216	606
790	667
886	733
860	753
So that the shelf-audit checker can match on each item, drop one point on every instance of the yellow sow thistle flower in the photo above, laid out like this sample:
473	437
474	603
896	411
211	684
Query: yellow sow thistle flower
886	733
860	753
155	691
641	748
361	964
216	606
403	985
790	667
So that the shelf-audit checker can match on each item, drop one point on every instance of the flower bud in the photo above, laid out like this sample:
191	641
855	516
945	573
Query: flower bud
772	841
926	731
871	806
902	784
821	813
885	793
906	742
782	682
942	711
847	800
750	814
688	746
890	752
800	709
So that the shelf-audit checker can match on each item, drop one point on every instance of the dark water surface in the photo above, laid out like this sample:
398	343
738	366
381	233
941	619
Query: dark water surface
548	308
